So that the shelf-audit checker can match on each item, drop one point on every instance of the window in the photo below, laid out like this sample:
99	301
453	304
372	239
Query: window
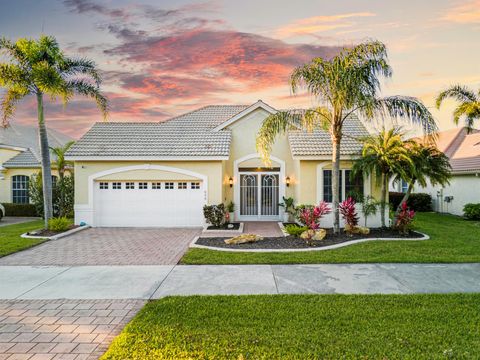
116	185
182	185
353	187
195	185
404	186
169	185
20	189
103	185
348	187
327	186
143	185
129	185
54	181
156	185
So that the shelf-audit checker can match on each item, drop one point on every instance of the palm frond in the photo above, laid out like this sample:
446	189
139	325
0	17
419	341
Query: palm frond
457	92
82	66
8	104
83	87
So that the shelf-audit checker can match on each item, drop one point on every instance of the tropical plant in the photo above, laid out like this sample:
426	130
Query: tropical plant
349	213
59	224
345	84
310	216
429	165
230	207
214	214
403	222
385	155
469	106
39	67
61	164
471	211
288	204
295	230
62	195
369	207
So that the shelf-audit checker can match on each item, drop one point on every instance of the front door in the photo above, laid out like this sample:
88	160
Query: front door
259	196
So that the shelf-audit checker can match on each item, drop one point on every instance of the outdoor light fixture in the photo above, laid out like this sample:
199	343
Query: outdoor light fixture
230	181
287	181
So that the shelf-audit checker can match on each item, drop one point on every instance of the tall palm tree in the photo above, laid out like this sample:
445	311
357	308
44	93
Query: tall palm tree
347	83
429	165
60	163
39	67
469	106
385	155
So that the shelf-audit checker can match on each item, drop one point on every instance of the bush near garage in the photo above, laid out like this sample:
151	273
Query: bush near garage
214	214
59	224
28	210
419	202
471	211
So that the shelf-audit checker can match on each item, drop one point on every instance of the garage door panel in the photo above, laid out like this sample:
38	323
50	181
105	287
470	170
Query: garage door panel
148	207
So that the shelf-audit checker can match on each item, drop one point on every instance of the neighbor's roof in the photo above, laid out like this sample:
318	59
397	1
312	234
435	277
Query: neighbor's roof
26	138
319	142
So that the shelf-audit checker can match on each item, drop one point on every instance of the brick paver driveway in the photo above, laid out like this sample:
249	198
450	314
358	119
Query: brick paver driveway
110	246
61	329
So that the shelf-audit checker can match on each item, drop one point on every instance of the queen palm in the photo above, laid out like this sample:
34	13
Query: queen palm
384	155
469	106
39	67
345	84
61	164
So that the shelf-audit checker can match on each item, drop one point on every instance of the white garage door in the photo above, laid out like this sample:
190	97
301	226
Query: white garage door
149	203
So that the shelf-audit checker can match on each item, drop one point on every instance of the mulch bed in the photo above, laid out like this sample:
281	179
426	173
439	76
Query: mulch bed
225	227
291	242
48	233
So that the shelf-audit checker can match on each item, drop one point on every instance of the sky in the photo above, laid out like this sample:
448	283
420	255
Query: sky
163	58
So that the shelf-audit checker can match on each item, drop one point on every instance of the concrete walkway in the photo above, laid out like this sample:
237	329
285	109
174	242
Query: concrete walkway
10	220
147	282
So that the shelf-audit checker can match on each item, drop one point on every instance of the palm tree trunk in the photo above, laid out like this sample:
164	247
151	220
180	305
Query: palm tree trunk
336	138
404	199
46	167
383	199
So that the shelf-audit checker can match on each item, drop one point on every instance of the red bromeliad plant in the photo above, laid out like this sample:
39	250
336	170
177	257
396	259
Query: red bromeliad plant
349	213
310	216
404	219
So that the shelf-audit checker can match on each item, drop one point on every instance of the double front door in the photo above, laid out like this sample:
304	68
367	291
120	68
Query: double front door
259	196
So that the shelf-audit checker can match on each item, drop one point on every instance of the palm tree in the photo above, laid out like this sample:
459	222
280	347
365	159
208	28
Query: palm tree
38	67
347	83
61	164
469	104
429	164
385	155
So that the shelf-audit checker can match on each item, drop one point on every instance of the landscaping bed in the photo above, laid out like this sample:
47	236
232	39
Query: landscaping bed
45	233
225	227
290	242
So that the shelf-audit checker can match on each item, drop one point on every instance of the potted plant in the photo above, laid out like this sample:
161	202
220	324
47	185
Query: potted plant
230	210
289	208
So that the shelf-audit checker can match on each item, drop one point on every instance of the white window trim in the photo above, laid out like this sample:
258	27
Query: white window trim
320	168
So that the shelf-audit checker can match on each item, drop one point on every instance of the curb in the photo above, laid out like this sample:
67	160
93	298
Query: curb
58	236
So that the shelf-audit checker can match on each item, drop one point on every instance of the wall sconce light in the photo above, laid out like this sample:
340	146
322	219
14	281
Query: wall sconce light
287	181
230	181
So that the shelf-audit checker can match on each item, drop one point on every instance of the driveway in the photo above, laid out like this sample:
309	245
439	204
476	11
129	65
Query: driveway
110	246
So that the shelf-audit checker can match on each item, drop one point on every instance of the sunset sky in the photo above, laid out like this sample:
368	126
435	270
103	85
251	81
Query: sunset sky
163	58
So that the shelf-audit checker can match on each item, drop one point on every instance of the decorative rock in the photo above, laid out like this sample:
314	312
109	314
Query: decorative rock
230	226
356	230
242	239
314	234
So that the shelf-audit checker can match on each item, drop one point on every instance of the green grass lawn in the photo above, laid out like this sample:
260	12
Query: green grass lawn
10	240
453	240
304	327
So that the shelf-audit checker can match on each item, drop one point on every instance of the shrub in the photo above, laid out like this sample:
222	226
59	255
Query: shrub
310	215
214	214
472	211
295	230
231	207
59	224
62	195
20	209
420	202
369	207
348	212
404	219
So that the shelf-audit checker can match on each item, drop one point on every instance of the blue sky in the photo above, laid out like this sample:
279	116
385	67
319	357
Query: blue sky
162	58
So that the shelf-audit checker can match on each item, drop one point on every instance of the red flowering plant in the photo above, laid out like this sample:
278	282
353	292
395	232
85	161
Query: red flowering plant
349	214
310	215
404	219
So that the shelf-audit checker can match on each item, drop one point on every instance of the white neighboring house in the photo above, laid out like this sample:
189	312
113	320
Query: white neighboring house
463	151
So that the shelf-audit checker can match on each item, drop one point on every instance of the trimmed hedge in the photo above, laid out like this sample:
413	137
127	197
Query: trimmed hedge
417	201
20	209
472	211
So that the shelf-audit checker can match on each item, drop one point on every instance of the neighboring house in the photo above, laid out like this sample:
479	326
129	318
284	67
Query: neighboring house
162	174
463	150
20	158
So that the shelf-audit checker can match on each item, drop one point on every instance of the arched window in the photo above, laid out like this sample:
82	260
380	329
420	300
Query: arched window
20	189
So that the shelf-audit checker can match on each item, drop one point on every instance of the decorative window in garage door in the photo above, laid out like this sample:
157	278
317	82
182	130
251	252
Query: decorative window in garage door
104	185
156	186
129	185
116	185
143	185
195	185
169	185
182	185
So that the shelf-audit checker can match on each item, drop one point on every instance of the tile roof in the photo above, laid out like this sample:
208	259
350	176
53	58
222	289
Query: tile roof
25	159
319	143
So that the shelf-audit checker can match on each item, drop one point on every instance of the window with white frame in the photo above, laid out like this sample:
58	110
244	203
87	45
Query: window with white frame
156	186
103	185
348	186
20	189
143	185
195	185
129	185
169	185
182	185
116	185
404	186
353	185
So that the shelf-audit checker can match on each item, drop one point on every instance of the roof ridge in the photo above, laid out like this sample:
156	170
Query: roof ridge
453	146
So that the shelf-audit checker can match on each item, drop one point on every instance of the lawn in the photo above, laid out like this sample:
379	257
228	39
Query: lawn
10	240
453	240
304	327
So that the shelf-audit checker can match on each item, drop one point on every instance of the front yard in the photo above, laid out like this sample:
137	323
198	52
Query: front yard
304	326
452	240
10	240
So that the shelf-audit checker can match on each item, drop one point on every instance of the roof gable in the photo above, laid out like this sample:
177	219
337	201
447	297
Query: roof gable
258	105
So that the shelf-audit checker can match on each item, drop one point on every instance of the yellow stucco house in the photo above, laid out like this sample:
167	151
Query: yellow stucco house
161	174
20	159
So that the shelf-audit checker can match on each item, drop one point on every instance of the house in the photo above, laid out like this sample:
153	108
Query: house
162	174
20	158
463	150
